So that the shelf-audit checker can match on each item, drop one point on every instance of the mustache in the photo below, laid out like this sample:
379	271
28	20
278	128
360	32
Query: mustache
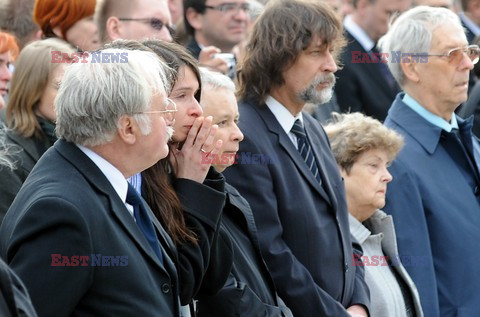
328	78
170	131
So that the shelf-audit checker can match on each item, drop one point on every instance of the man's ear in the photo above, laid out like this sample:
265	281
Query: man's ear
57	32
113	28
194	18
127	129
410	70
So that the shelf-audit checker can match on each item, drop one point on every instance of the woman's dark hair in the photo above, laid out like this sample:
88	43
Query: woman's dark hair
156	187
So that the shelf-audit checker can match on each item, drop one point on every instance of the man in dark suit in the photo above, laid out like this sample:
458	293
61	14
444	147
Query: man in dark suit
293	184
365	84
470	18
74	234
434	196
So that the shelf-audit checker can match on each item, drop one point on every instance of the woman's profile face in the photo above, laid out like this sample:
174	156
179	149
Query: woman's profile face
183	94
366	183
45	108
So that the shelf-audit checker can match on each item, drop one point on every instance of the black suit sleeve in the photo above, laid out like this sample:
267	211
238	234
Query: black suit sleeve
51	226
203	206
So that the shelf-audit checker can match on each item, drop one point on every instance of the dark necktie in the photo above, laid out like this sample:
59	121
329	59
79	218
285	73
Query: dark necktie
143	220
305	149
387	75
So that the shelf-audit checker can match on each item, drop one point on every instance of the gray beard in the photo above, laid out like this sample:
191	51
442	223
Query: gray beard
317	97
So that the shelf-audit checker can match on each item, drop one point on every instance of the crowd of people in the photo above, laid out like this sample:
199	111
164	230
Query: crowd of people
239	158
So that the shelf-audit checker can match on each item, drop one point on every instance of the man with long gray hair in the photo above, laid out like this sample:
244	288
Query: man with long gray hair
79	237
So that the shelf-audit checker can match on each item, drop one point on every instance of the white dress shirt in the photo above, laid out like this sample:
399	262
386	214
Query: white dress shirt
284	117
114	176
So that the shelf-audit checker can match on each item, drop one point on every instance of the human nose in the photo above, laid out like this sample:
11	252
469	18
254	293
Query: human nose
241	13
330	65
5	73
166	35
195	109
237	134
387	177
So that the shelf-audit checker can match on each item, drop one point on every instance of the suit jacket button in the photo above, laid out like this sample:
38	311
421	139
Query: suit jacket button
477	191
165	288
346	267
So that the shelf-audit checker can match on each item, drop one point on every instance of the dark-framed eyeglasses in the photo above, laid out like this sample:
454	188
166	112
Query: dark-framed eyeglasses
455	55
168	113
155	23
230	7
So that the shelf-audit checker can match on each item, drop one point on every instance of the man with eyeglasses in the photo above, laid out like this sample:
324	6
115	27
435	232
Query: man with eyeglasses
133	20
435	193
216	26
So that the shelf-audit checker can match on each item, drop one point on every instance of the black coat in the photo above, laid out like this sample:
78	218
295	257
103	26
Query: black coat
24	152
249	290
361	87
67	206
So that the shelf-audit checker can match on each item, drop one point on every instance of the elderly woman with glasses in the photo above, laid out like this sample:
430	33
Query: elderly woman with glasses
364	149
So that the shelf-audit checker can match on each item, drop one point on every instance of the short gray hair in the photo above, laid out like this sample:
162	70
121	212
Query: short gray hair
8	150
412	32
216	80
94	95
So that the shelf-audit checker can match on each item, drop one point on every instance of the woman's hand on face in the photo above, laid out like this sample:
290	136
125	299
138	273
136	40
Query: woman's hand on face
192	160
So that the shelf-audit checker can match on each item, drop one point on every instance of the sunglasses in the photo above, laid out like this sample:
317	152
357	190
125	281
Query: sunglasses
155	23
455	55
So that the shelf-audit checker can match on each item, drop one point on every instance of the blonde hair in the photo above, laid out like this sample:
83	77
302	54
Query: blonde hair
31	76
352	134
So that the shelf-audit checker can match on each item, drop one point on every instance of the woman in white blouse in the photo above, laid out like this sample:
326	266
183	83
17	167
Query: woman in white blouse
364	148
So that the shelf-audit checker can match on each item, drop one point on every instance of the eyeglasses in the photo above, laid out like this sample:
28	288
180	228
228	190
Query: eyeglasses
168	113
230	7
455	55
155	23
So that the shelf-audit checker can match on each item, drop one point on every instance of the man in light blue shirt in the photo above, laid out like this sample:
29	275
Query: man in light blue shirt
434	196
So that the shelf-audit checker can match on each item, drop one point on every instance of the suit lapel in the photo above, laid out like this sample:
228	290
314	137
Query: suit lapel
98	181
320	156
285	142
168	246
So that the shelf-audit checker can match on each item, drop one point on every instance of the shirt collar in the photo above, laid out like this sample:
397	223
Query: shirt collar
357	229
358	33
469	24
283	116
430	117
114	176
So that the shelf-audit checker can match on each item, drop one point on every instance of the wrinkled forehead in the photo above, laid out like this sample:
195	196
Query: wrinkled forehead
447	36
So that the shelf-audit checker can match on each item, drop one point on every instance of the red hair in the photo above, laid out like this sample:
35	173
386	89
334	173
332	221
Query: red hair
49	14
8	44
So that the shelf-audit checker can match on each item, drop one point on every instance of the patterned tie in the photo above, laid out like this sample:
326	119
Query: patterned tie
143	220
305	149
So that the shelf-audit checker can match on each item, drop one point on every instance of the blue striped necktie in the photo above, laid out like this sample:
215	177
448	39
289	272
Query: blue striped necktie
305	149
143	220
